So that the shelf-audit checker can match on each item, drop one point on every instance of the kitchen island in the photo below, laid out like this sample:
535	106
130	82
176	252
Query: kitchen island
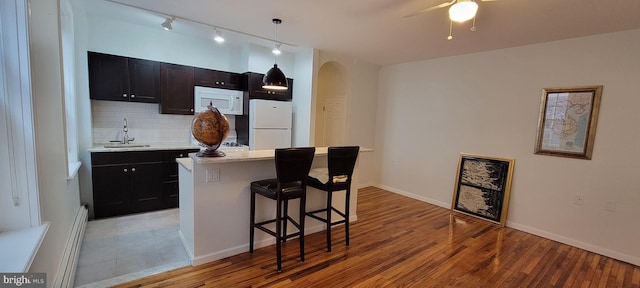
215	202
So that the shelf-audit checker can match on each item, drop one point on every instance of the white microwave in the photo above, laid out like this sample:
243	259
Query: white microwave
227	101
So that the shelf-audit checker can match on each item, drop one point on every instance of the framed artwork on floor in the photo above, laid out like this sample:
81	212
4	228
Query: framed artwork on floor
567	122
483	187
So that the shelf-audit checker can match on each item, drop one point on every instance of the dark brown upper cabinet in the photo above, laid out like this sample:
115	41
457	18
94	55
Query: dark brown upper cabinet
218	79
176	84
118	78
255	91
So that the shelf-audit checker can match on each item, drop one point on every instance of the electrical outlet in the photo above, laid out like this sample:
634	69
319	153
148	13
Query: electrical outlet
611	206
213	175
579	199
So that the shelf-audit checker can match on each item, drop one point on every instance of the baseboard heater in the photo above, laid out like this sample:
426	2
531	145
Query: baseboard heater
67	271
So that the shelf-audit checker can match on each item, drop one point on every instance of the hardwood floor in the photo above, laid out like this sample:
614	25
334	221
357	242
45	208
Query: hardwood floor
402	242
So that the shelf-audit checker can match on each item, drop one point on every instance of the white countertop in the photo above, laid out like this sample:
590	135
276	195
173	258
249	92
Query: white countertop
241	156
152	147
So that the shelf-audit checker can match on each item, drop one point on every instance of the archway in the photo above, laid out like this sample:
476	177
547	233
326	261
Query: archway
331	105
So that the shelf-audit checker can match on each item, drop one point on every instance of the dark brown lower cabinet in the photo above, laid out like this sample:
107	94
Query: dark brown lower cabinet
133	182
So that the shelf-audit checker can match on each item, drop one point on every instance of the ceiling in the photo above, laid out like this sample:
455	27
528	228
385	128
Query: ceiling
377	32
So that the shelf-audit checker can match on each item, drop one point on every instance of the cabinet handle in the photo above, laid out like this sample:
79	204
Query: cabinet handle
191	110
222	82
125	170
133	169
181	155
217	82
124	95
133	96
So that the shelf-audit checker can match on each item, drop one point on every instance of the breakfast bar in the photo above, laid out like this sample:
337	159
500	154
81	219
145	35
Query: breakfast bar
215	202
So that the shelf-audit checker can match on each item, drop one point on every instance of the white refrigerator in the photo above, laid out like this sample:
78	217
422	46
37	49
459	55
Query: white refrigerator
269	124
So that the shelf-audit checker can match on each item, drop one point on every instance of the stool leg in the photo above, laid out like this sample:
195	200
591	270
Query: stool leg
279	234
346	213
252	218
285	214
303	204
329	193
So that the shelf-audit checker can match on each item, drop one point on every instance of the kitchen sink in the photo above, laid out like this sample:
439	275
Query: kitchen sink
121	145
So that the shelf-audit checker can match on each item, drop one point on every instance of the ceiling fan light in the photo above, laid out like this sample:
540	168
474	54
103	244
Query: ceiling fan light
463	11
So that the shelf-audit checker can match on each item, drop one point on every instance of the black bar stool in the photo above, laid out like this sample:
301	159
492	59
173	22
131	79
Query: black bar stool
336	177
292	168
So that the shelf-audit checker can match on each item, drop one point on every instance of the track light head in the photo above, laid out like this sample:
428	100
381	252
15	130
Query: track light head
276	50
166	25
218	37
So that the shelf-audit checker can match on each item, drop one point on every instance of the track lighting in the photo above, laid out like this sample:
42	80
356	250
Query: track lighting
167	23
218	37
275	78
276	49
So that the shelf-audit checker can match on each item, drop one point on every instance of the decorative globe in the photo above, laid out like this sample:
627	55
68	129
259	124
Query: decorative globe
210	128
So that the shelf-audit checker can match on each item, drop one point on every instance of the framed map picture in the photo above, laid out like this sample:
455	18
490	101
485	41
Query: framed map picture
567	122
483	186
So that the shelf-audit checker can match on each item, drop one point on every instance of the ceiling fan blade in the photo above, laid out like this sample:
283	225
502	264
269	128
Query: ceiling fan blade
445	4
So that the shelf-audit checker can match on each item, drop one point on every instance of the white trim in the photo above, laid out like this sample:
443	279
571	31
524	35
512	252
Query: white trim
69	262
575	243
532	230
415	196
17	82
18	248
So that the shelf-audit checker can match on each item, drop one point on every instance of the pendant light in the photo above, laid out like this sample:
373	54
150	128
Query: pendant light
275	79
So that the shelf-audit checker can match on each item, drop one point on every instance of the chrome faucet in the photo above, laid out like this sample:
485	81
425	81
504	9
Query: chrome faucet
125	138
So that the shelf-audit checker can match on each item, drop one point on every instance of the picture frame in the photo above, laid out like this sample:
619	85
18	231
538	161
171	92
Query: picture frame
483	187
567	121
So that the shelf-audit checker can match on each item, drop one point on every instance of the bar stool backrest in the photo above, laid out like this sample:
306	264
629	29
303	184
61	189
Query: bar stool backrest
293	164
342	160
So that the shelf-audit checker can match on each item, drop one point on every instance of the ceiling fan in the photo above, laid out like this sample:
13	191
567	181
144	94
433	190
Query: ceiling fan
459	11
466	7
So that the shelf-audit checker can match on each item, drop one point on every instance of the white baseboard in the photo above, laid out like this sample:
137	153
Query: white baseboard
199	260
69	263
415	196
575	243
535	231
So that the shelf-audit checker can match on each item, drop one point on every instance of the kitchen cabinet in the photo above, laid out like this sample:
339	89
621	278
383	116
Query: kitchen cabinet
253	83
126	182
170	191
218	79
118	78
176	86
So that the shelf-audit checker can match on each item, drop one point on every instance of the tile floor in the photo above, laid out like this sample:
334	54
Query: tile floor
121	249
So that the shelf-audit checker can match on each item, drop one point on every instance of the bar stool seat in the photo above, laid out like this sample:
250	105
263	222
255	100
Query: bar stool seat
292	168
336	177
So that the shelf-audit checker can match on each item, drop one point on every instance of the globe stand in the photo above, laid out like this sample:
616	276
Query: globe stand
211	145
210	152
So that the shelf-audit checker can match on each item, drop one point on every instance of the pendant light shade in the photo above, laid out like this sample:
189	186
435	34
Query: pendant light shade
275	79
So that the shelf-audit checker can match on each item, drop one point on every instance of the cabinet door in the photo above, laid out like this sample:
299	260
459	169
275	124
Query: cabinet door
144	81
176	86
218	79
255	90
146	186
108	77
111	195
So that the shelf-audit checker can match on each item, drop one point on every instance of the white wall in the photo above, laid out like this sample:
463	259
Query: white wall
58	196
488	103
